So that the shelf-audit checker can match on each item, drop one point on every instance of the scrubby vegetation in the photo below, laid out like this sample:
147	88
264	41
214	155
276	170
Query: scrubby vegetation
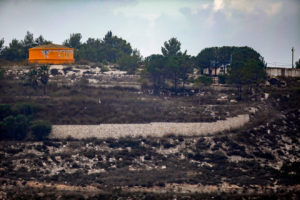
202	80
79	104
260	160
40	129
17	122
171	164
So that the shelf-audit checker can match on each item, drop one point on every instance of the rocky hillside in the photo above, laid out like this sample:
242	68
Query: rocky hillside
261	161
258	161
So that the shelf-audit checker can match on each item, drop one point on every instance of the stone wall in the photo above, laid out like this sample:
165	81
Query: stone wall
285	72
156	129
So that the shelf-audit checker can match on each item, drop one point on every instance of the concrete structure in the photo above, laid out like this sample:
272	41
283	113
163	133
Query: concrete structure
220	70
156	129
271	71
51	54
285	72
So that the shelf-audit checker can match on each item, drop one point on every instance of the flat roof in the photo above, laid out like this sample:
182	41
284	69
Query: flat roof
51	46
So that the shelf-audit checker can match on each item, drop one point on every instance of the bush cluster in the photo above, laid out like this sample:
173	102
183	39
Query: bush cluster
222	78
40	129
203	80
16	122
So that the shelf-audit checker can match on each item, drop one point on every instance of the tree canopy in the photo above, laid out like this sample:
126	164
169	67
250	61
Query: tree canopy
173	65
130	63
15	51
155	70
41	40
18	50
247	68
171	47
111	48
298	64
73	41
214	57
1	45
115	47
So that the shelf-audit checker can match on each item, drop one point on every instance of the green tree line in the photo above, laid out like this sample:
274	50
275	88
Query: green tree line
245	66
111	49
171	68
18	50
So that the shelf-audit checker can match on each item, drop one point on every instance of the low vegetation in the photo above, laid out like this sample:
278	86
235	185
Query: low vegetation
251	162
79	104
261	158
17	122
258	161
40	129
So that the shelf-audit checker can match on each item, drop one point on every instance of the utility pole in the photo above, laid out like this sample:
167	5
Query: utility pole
293	57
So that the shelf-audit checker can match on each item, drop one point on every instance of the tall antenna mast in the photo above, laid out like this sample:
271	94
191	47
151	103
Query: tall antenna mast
293	57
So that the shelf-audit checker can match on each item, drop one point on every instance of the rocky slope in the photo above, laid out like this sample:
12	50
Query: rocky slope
263	159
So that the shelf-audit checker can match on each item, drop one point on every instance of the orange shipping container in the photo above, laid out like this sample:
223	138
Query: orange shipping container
51	54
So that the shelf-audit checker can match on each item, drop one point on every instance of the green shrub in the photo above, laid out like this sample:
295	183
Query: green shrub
204	80
5	110
104	69
7	127
26	108
40	129
54	72
22	126
14	128
222	79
